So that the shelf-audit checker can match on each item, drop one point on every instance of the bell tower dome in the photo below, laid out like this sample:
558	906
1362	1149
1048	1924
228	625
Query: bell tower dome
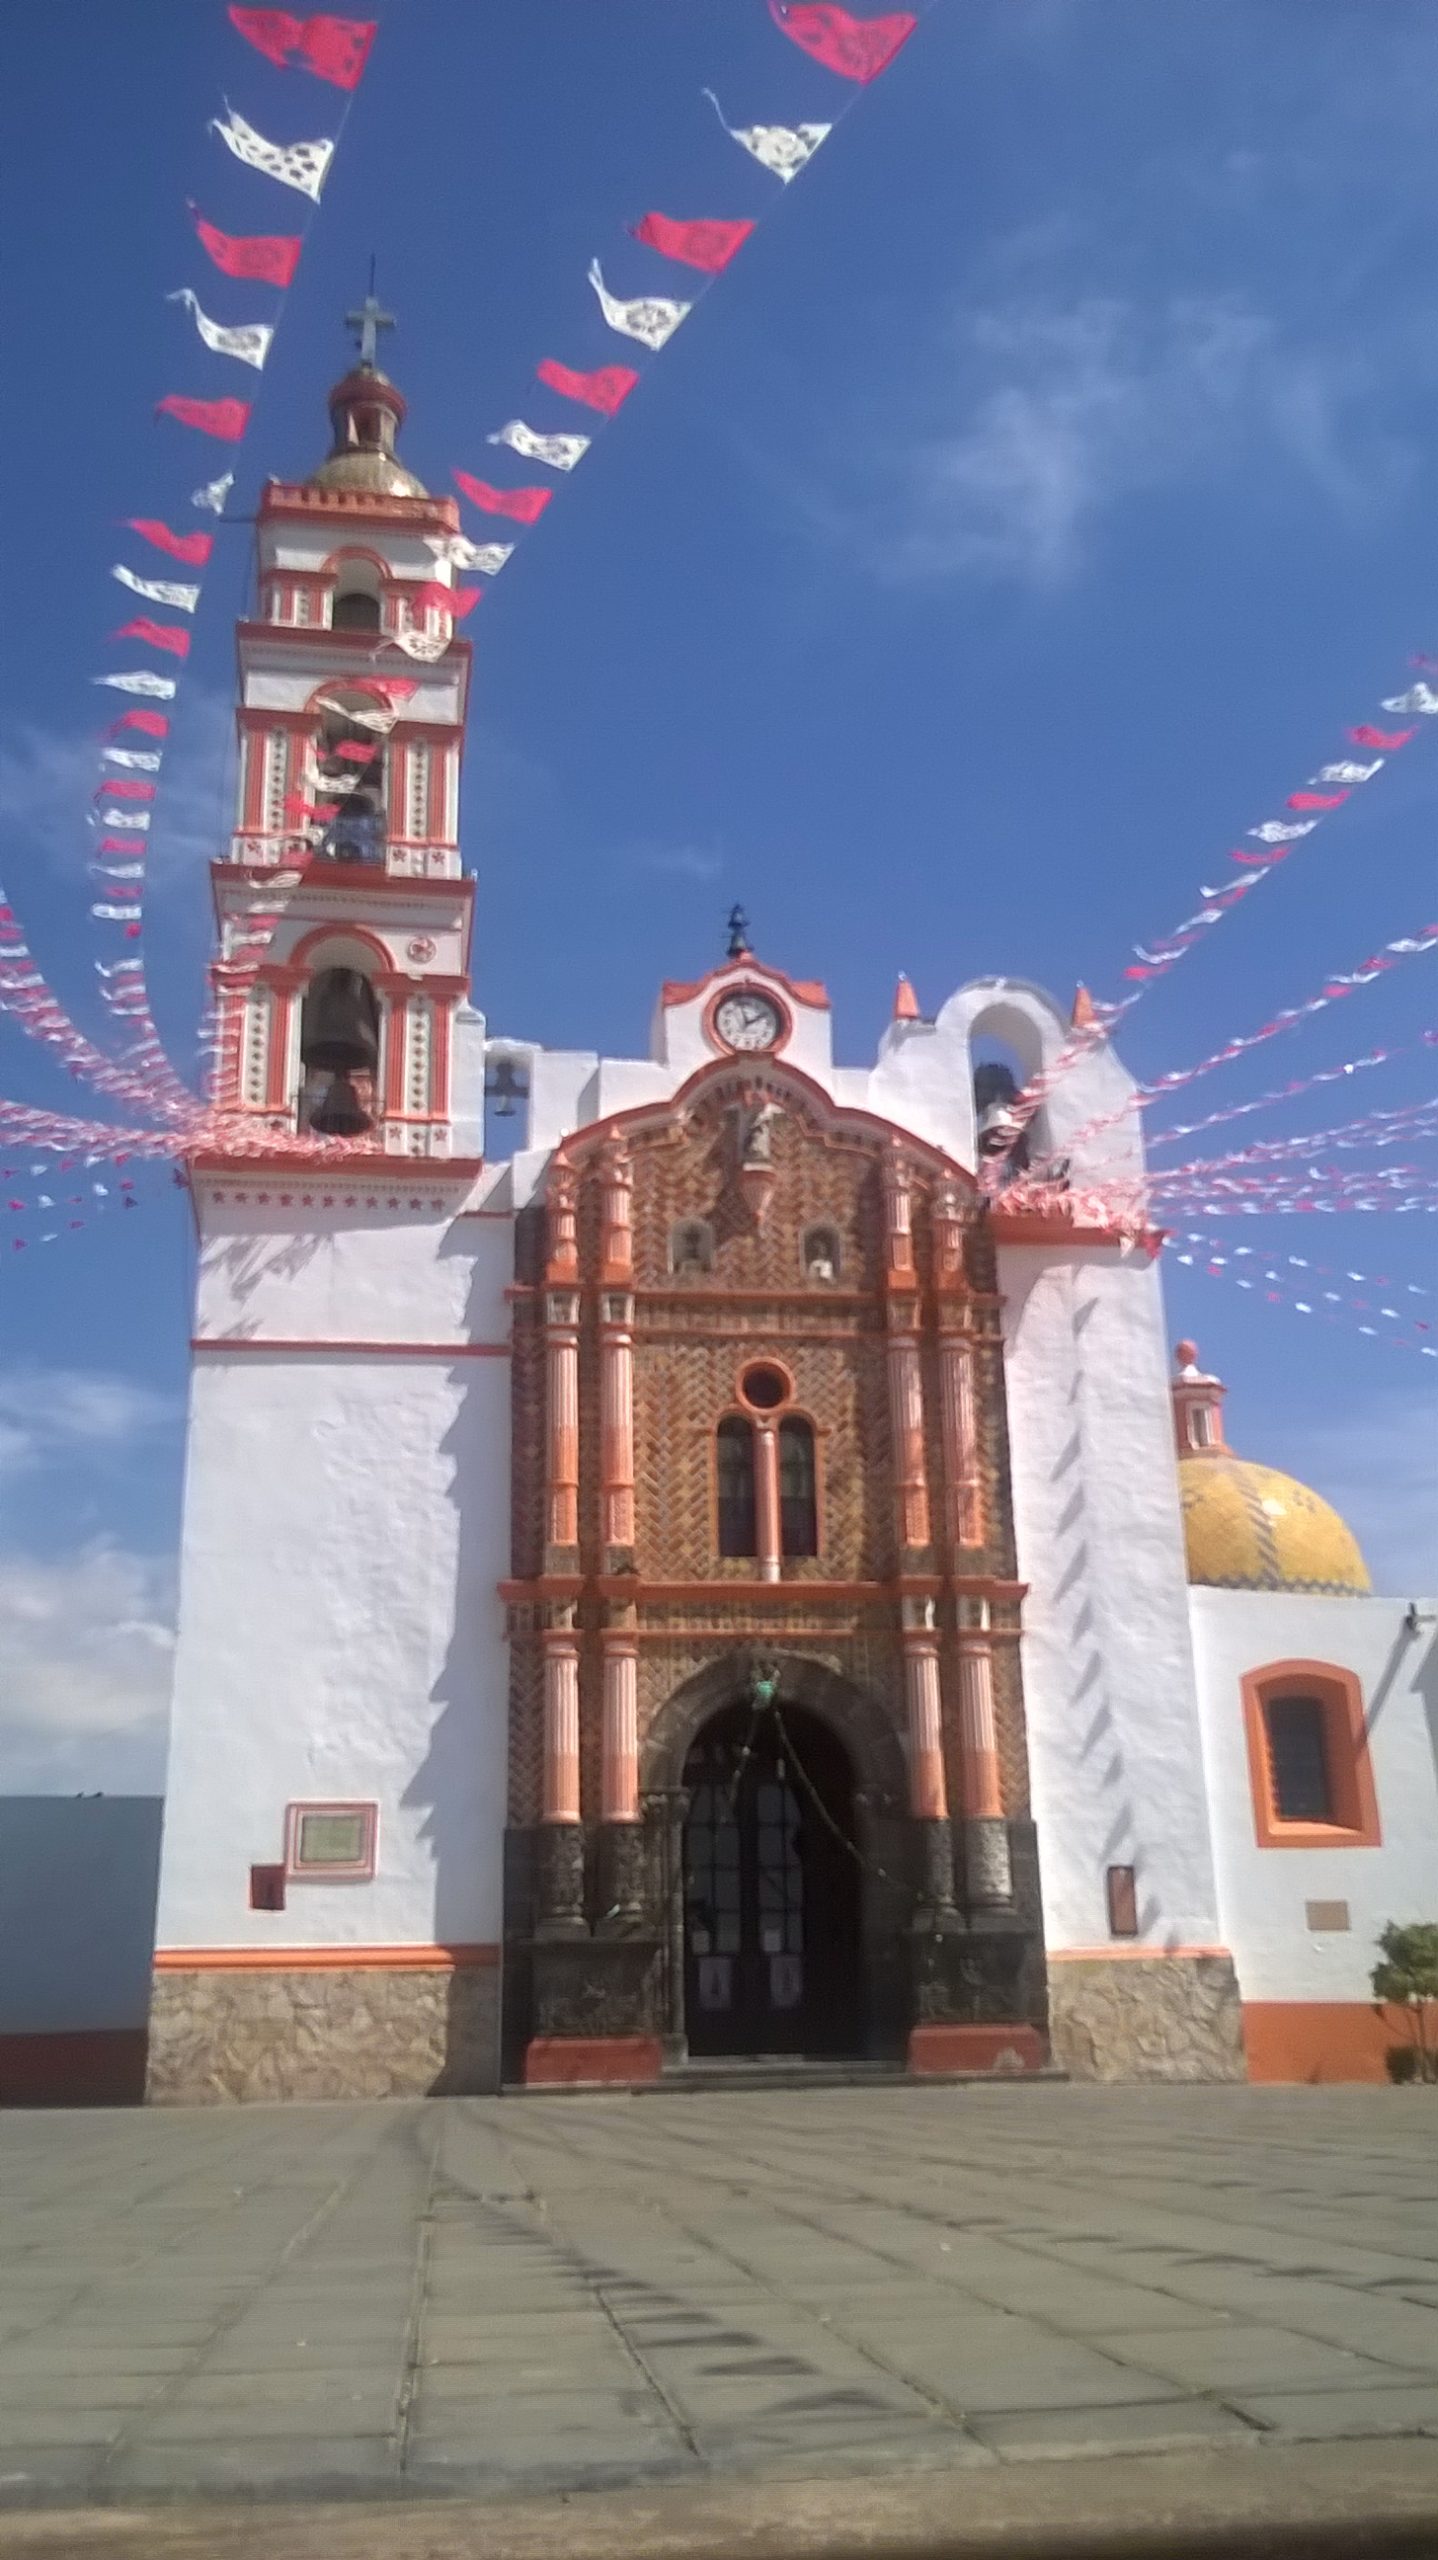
343	870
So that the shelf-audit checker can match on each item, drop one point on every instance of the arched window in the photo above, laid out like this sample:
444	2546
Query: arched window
798	1501
691	1246
1308	1762
821	1253
735	1455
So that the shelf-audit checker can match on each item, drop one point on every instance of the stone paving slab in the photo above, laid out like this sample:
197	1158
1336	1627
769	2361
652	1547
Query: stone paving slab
482	2298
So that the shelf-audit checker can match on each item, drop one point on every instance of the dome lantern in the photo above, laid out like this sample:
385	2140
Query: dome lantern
1248	1527
367	411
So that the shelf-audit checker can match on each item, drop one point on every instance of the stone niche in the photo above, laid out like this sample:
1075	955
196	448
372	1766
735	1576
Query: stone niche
220	2035
1147	2018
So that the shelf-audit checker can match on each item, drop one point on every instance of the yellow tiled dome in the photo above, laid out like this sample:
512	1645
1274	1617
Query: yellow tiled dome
1248	1528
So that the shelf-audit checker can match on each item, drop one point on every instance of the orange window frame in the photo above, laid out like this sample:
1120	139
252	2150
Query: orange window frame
1339	1693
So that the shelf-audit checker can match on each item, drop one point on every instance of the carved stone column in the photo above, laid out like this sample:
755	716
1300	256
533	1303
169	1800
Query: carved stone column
906	1423
963	1470
616	1421
561	1316
623	1848
768	1531
561	1835
988	1879
928	1795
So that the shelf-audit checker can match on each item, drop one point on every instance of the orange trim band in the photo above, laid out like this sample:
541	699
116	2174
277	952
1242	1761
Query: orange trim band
323	1959
381	1350
1130	1954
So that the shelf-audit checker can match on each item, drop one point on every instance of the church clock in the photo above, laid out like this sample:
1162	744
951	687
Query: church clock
745	1019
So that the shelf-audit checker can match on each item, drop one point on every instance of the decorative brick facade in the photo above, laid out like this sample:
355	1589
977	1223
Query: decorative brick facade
675	1252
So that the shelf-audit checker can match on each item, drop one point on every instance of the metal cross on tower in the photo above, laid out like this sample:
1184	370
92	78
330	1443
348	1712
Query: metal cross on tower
368	321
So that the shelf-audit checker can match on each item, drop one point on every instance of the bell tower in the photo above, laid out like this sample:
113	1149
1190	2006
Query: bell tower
343	918
331	1869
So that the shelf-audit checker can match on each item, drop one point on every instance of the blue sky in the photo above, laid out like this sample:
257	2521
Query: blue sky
1033	504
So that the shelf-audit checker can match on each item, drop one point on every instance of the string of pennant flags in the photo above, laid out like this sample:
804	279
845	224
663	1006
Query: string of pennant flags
335	50
1377	1057
1272	841
1343	983
1206	1254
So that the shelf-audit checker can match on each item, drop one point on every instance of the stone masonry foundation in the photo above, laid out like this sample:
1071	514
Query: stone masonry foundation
1146	2018
224	2034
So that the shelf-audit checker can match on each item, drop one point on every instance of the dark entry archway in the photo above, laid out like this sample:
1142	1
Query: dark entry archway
772	1887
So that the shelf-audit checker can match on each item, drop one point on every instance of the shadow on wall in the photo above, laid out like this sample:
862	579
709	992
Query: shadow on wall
79	1877
461	1783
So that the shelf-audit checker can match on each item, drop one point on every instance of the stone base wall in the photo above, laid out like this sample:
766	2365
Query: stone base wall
1147	2018
222	2034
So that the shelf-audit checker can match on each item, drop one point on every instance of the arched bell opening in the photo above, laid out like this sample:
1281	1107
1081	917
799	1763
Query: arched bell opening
357	602
340	1040
352	775
773	1878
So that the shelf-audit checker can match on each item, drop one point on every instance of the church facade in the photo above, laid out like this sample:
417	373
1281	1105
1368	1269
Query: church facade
718	1585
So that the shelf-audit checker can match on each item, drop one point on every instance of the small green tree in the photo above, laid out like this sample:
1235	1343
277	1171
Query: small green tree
1406	1977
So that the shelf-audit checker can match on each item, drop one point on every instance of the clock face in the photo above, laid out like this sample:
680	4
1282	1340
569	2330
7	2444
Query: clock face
747	1020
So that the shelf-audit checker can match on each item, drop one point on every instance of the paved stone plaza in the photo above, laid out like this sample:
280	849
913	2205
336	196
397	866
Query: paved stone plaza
499	2298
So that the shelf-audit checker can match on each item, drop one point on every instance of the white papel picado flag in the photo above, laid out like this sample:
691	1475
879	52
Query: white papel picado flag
417	644
159	590
140	680
784	149
248	341
214	494
652	319
457	548
1419	697
134	821
560	452
134	759
296	164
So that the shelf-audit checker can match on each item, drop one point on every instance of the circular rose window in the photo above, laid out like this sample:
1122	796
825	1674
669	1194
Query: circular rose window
764	1387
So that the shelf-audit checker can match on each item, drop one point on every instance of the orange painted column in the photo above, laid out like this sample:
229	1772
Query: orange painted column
928	1792
561	1726
619	1775
768	1531
963	1472
562	1525
987	1871
561	1310
616	1426
906	1419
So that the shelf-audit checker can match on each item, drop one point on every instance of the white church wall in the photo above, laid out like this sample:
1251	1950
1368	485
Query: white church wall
341	1637
1264	1894
1109	1693
351	1275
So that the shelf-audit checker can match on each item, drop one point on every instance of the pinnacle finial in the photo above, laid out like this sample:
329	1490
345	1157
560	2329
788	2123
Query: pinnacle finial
737	947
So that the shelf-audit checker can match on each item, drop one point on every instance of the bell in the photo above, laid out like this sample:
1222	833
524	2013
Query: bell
999	1128
340	1030
340	1114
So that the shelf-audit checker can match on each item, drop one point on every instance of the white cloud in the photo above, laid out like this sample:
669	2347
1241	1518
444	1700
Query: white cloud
1378	1470
48	778
53	1416
680	861
1053	412
85	1650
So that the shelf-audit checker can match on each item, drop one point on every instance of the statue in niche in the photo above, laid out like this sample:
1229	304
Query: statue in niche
756	1133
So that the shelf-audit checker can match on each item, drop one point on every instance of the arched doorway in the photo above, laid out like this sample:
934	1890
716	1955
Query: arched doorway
772	1886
